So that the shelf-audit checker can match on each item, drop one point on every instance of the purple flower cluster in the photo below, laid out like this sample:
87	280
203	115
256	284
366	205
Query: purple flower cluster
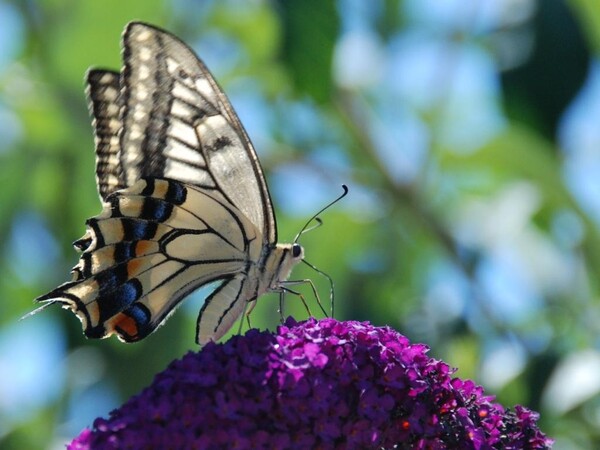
315	384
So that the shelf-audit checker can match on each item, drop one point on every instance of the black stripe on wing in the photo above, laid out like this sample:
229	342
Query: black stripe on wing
145	252
221	309
147	99
172	100
137	321
103	90
158	138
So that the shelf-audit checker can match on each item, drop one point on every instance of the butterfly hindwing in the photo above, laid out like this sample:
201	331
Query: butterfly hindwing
147	250
103	90
222	308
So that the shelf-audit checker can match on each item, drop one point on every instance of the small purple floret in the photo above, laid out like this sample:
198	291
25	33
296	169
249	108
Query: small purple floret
314	384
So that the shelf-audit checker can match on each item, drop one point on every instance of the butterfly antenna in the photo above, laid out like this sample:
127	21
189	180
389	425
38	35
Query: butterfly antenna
317	225
306	228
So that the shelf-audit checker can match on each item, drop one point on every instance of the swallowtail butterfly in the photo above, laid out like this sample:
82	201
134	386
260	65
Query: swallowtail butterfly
185	202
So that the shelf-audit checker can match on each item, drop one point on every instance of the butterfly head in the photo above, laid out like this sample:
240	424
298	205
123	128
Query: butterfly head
291	254
279	262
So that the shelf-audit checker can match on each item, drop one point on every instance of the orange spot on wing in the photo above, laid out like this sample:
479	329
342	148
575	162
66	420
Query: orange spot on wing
142	247
126	326
160	188
133	267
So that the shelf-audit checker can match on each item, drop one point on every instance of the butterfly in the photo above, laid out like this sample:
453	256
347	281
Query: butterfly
185	201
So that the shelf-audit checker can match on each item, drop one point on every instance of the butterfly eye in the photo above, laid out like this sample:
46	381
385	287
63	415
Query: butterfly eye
296	250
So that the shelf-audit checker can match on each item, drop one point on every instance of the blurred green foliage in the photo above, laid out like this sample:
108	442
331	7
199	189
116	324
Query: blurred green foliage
425	251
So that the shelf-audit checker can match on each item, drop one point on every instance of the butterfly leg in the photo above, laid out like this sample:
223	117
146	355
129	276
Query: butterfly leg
331	286
248	308
242	319
299	294
314	290
281	295
282	292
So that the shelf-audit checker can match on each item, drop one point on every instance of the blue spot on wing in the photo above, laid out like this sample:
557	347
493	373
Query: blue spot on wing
155	209
120	299
110	279
124	251
138	230
176	193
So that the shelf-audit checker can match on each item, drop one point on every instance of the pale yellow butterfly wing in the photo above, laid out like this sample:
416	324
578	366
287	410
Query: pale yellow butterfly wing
195	207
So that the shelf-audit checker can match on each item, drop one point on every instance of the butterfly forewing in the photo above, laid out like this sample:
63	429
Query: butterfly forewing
178	123
103	89
185	200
